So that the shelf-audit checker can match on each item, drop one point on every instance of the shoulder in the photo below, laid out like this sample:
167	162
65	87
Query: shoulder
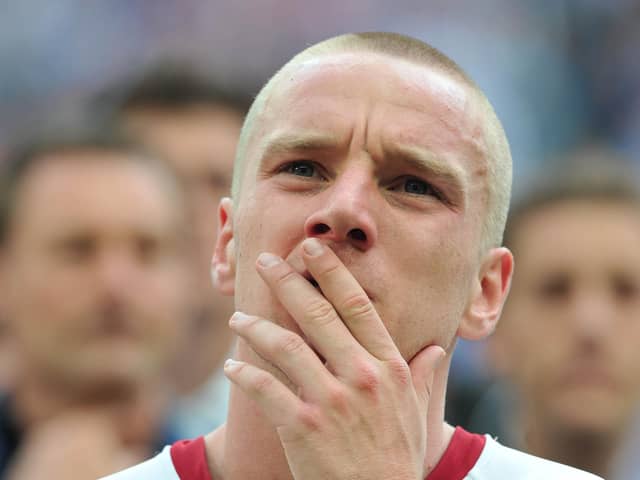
186	459
159	467
500	462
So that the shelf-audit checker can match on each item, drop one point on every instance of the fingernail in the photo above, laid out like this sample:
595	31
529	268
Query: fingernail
238	319
267	260
442	356
313	247
231	364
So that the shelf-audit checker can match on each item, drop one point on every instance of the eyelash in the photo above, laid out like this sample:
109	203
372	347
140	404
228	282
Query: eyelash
287	167
430	189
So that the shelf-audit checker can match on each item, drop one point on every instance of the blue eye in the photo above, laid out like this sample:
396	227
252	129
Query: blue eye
418	187
301	169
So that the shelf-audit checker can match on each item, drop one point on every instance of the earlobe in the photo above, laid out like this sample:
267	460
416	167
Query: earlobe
223	263
489	294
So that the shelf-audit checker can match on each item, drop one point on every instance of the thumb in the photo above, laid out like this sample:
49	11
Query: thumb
423	366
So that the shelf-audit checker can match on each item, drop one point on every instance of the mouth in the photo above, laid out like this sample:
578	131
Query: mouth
588	378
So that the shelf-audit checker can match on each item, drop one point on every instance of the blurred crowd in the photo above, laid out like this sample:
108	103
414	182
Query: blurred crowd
118	126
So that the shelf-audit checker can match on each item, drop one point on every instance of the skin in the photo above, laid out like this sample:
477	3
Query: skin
95	286
7	357
200	143
400	274
570	333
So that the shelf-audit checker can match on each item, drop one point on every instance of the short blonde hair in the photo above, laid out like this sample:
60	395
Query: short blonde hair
409	49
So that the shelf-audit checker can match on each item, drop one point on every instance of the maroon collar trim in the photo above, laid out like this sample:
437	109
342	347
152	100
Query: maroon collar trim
460	456
189	458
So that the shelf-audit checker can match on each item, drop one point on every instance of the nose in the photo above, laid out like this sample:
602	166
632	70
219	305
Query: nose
117	272
348	213
593	313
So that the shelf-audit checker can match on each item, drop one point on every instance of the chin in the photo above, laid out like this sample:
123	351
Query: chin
119	370
588	413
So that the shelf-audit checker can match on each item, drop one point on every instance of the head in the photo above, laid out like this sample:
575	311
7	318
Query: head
194	124
92	260
569	338
384	149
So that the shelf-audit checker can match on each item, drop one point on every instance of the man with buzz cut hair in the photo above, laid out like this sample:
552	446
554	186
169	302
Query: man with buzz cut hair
370	192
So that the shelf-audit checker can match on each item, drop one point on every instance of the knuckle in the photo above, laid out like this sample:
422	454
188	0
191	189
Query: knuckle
357	306
367	377
290	343
329	271
337	398
286	277
262	383
309	417
399	371
320	312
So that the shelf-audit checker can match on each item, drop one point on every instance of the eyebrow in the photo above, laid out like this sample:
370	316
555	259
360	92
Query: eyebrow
302	141
422	160
453	176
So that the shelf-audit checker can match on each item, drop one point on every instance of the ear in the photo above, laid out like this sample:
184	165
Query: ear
489	292
223	263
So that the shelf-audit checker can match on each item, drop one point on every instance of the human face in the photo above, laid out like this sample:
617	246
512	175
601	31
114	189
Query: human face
94	272
382	160
571	328
200	142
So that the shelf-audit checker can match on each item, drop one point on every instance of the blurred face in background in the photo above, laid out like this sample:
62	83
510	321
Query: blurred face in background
93	270
570	334
200	142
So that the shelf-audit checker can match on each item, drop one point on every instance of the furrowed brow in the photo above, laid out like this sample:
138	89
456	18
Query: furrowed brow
298	142
422	160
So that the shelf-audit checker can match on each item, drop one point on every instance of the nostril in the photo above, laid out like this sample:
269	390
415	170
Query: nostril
320	228
358	234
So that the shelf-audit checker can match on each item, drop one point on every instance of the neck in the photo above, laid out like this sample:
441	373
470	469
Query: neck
589	451
210	334
248	430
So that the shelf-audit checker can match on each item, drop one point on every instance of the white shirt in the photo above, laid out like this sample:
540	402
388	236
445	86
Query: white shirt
468	457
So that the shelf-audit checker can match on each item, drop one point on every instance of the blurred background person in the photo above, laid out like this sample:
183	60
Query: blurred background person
192	122
95	292
567	344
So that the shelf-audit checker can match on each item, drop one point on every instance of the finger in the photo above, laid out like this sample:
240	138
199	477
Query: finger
276	400
423	367
349	299
314	314
287	351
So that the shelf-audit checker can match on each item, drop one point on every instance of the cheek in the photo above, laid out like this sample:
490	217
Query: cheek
626	349
537	347
49	299
435	290
165	293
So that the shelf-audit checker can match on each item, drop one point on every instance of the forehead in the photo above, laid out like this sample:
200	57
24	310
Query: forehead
196	138
587	233
68	187
319	92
